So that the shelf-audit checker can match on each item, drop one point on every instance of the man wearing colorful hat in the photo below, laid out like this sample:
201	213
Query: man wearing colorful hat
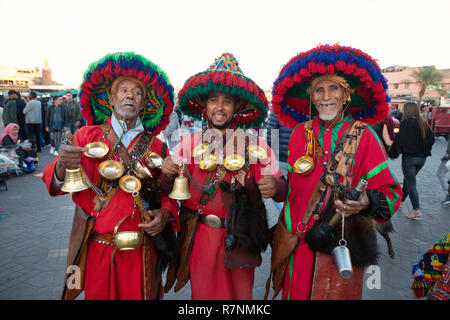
224	223
120	241
329	94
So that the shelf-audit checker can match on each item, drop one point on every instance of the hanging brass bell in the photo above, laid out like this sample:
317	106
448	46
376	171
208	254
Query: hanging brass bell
73	181
180	190
304	165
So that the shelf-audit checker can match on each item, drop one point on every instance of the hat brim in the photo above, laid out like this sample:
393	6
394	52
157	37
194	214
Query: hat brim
191	97
369	100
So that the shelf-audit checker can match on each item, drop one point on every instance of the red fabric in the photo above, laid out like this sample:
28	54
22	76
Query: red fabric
102	280
370	154
210	279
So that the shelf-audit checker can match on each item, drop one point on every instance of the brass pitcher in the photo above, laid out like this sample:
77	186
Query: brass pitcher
180	190
126	240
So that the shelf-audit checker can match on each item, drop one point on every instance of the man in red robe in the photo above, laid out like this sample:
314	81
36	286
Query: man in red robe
334	86
121	107
228	106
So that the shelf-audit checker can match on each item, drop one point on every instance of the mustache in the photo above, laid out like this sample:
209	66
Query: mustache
129	102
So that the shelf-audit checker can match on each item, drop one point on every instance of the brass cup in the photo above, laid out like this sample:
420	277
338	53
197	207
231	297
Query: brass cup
111	170
199	150
234	162
96	150
127	240
153	160
257	153
209	163
141	171
304	165
130	184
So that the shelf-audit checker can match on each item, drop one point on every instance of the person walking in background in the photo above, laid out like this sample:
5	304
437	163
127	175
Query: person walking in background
20	103
441	174
414	142
74	113
10	109
33	119
55	124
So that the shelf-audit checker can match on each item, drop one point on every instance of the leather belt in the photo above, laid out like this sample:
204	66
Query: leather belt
104	238
212	220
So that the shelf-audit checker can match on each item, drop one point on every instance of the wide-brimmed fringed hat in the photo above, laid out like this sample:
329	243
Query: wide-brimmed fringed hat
290	95
95	90
224	75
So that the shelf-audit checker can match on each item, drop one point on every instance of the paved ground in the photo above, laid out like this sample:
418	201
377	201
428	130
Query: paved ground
35	228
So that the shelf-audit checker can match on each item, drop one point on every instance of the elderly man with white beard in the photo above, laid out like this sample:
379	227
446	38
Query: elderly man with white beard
339	90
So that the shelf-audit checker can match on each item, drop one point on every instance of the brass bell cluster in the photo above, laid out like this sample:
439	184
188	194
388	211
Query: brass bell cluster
75	179
110	170
234	162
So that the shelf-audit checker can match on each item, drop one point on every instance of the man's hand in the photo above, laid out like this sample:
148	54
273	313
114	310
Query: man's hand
69	158
352	207
161	216
169	167
267	186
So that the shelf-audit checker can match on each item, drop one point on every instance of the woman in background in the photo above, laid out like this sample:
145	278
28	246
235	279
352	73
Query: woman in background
414	142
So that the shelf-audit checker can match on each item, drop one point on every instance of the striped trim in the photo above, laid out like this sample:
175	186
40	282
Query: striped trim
372	173
379	141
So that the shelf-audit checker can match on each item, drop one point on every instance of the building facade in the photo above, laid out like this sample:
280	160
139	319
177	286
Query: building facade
26	79
403	87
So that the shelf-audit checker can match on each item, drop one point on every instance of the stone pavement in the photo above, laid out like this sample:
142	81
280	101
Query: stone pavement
35	229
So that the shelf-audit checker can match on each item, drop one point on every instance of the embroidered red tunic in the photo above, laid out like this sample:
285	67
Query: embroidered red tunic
370	163
209	277
103	280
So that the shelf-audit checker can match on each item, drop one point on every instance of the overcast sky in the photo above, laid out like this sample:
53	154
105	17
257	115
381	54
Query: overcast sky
184	37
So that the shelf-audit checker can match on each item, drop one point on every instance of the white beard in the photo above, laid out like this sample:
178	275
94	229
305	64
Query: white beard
328	117
127	115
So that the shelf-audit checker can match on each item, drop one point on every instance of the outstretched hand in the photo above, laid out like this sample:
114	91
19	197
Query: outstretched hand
160	218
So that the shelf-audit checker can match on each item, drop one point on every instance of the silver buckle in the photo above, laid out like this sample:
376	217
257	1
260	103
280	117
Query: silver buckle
213	221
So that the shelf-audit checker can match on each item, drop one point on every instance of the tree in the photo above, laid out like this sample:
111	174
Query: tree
425	76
